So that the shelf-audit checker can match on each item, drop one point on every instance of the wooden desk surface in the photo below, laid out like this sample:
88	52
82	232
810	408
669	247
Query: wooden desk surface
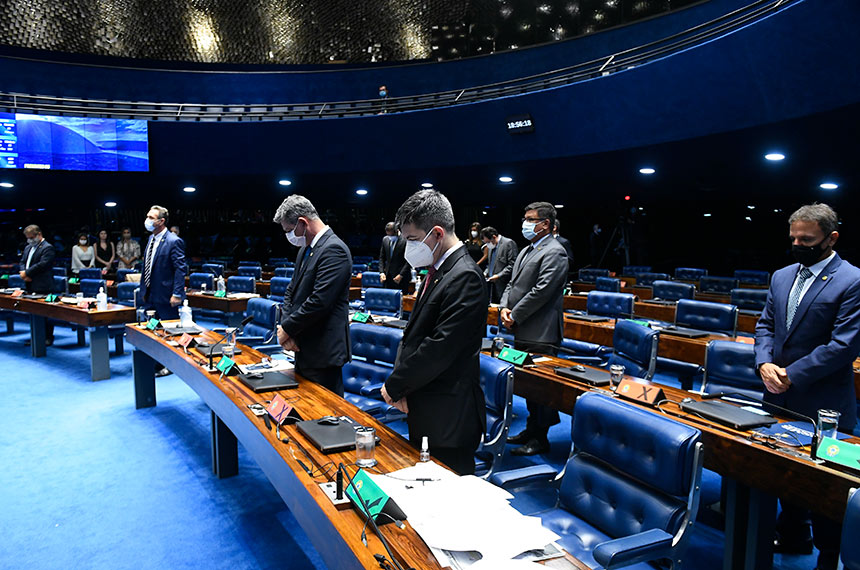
114	315
212	303
818	487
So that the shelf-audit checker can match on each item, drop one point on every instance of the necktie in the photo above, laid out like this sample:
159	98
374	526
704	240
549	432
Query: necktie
492	266
392	241
147	264
30	255
794	298
430	273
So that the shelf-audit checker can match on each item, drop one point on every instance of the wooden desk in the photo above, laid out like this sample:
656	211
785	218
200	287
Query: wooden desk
755	473
233	308
96	322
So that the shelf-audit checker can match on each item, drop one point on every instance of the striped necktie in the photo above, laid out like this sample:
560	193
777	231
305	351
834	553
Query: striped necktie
147	265
794	298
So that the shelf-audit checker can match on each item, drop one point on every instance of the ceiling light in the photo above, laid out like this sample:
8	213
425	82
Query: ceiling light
285	182
774	156
189	189
110	204
557	206
505	179
361	192
427	185
647	170
828	186
751	207
748	219
6	185
706	215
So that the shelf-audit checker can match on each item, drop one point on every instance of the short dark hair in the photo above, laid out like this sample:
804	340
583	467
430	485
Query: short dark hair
426	209
32	229
489	232
557	226
822	214
390	227
545	211
126	228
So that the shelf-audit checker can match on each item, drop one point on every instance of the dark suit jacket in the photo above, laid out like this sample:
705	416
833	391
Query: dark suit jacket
437	365
568	249
168	275
41	269
394	264
503	266
316	304
822	343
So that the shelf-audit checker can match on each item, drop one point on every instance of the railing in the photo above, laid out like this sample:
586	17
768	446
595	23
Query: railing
620	61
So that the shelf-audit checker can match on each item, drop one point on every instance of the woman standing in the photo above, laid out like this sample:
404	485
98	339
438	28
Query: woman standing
82	254
475	245
105	252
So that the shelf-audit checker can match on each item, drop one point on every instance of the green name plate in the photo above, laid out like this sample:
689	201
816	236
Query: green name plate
74	280
220	293
225	364
152	324
360	317
374	497
516	357
4	276
51	298
841	452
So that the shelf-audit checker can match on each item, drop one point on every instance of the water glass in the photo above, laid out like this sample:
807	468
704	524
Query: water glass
365	445
828	422
616	374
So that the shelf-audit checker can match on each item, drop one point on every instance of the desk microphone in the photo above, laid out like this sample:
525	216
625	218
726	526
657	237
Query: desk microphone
227	334
816	435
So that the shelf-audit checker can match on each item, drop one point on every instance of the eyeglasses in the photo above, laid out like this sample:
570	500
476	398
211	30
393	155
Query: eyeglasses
535	220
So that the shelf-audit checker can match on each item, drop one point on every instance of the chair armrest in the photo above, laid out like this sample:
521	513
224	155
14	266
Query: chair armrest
645	546
268	348
251	340
524	476
373	390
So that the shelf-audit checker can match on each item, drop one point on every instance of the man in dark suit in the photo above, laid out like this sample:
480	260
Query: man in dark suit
393	269
806	341
162	285
565	243
500	265
436	373
314	316
532	309
37	269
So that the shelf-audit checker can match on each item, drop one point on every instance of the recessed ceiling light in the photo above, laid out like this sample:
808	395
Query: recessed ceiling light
557	206
110	204
647	170
828	186
189	189
6	185
505	179
748	219
427	185
751	207
484	212
361	192
285	182
775	156
707	215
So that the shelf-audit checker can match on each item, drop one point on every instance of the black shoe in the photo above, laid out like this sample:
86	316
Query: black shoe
49	342
784	546
162	372
532	447
521	438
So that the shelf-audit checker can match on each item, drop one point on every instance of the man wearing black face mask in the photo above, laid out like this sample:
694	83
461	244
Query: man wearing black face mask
806	341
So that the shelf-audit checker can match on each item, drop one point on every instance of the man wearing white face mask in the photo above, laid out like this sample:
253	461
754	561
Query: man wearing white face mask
162	284
314	316
503	254
436	373
532	309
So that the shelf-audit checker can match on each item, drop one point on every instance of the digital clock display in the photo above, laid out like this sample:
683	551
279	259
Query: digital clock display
520	124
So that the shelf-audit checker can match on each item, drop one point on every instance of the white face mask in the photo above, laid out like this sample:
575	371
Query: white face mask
418	253
474	234
490	245
82	242
32	241
298	241
149	225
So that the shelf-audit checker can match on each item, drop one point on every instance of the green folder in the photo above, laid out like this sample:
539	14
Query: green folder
225	364
152	324
373	496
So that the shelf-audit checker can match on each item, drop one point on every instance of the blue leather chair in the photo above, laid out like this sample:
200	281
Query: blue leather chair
251	271
590	275
60	271
61	285
197	280
250	264
648	279
634	269
635	348
629	492
280	262
752	277
672	291
121	273
370	279
497	381
610	304
608	284
722	285
90	273
358	268
260	333
720	318
385	302
90	287
16	282
374	349
216	269
689	273
126	292
284	271
749	299
278	288
241	284
850	531
730	367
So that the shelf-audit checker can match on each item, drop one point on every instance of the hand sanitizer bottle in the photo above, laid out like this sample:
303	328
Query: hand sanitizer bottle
185	317
101	300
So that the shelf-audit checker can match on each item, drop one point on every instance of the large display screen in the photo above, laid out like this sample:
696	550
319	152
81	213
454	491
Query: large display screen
72	143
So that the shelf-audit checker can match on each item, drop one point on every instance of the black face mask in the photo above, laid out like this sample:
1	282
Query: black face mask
807	254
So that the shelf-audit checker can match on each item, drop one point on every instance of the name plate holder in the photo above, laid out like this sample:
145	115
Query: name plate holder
52	298
220	294
153	324
361	318
640	391
841	452
515	357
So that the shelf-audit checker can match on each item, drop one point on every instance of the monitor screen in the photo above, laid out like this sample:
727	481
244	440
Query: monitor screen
73	143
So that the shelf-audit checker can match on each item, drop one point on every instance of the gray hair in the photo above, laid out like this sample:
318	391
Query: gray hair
822	214
426	209
162	212
545	211
292	208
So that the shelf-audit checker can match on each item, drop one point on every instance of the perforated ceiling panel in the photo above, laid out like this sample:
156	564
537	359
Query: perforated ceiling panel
309	31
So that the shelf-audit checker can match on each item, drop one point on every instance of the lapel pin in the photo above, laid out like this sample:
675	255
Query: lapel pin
824	278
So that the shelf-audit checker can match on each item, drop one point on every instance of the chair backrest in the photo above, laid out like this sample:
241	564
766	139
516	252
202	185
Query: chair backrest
284	271
250	264
374	343
60	285
388	302
278	288
196	280
590	274
365	259
850	549
265	313
60	271
672	290
241	284
730	367
497	381
634	269
648	279
358	268
610	304
754	299
717	284
216	269
631	470
608	284
703	315
634	346
251	271
90	287
689	273
370	279
279	262
752	276
90	273
16	281
121	273
125	292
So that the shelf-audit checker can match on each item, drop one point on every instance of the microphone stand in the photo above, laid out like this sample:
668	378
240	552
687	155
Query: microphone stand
226	335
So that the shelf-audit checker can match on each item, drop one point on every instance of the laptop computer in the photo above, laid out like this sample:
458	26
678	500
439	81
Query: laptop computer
268	381
330	434
590	318
213	350
684	332
727	414
583	374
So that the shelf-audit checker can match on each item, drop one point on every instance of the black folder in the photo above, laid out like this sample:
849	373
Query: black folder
684	332
268	381
330	437
589	375
727	414
590	318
